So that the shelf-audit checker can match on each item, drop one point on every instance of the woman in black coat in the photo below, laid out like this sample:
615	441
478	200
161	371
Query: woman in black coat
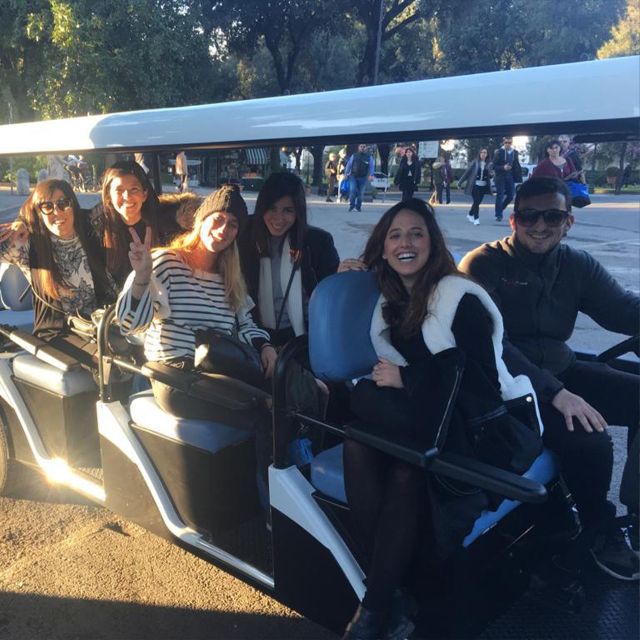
283	258
408	176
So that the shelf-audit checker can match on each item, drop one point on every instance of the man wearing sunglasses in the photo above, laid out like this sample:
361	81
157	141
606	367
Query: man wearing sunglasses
540	283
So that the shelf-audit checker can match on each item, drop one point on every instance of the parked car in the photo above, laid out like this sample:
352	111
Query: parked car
380	181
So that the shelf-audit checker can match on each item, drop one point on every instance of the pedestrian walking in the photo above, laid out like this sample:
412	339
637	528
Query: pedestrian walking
359	170
331	172
507	172
477	183
408	176
182	172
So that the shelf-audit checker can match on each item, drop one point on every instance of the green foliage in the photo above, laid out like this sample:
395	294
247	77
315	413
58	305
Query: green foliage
625	36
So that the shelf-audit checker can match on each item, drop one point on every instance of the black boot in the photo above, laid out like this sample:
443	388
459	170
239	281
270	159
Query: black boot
400	625
366	625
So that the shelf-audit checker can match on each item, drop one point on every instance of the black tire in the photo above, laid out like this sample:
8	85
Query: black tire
13	475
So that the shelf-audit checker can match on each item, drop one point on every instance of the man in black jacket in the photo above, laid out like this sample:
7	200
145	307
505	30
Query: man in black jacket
508	173
540	284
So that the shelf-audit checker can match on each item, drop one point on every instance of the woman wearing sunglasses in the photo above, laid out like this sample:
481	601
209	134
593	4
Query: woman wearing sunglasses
59	257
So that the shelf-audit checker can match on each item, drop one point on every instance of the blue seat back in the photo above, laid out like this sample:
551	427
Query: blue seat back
340	313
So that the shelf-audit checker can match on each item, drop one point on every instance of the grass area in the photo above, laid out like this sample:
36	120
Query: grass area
627	189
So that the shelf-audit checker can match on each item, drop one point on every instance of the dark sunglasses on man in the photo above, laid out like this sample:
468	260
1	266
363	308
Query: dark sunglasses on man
551	217
47	207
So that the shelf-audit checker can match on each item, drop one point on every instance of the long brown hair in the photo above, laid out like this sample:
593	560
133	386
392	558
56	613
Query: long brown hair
276	186
227	264
405	310
45	272
116	237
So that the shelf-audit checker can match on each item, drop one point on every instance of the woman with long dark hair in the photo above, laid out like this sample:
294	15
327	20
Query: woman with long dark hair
408	176
283	258
400	513
129	201
477	183
60	258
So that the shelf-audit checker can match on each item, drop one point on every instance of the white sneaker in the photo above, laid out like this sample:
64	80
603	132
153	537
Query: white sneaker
470	218
476	221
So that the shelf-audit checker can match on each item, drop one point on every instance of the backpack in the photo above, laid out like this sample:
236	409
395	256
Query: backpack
360	165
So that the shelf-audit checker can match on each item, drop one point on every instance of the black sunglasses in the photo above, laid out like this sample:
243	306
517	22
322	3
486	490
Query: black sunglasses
552	217
47	206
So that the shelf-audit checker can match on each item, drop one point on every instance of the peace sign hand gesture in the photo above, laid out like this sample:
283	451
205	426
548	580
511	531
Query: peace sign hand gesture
140	257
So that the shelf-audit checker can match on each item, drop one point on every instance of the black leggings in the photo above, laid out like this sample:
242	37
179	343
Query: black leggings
477	194
386	497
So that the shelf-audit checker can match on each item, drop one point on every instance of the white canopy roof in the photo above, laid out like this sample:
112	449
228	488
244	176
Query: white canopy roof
597	96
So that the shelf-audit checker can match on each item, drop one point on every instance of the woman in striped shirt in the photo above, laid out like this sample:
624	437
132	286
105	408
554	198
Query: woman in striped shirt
193	285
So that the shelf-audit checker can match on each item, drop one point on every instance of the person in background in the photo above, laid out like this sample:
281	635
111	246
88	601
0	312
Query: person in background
408	176
442	177
359	170
477	183
623	178
283	258
342	165
555	165
569	151
507	173
540	284
331	173
182	172
139	158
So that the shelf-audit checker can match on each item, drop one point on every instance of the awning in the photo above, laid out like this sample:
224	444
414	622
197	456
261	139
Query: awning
257	155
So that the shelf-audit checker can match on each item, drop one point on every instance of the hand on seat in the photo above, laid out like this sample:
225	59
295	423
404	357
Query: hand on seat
572	406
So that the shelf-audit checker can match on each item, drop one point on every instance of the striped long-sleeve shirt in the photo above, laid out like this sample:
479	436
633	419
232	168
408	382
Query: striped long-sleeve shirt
177	303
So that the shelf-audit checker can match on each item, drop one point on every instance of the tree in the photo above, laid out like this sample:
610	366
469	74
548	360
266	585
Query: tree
95	56
284	27
625	36
397	16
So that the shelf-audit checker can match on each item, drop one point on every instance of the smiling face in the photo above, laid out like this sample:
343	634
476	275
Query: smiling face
407	246
218	231
280	216
59	214
127	197
541	237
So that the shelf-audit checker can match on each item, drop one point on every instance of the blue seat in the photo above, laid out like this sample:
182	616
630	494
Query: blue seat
327	477
340	349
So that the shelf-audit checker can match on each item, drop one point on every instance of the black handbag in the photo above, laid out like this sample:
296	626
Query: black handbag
225	354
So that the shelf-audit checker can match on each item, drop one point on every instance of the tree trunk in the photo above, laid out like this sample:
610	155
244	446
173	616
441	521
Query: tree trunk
316	152
623	153
384	150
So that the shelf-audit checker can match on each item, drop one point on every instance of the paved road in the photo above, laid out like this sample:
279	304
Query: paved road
71	570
